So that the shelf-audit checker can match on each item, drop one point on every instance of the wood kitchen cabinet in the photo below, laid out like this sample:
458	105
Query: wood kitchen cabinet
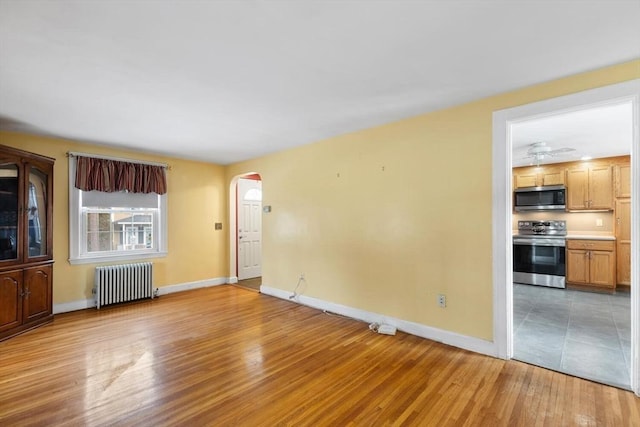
538	179
26	241
623	241
591	263
590	188
623	181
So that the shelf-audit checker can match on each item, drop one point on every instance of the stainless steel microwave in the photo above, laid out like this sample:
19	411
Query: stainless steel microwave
546	198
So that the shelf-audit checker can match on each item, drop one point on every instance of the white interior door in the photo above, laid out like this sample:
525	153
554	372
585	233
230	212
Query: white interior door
249	228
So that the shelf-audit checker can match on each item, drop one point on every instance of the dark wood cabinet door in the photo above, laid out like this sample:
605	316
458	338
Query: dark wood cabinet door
10	300
37	292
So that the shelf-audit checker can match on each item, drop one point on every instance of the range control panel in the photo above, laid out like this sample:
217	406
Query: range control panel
546	228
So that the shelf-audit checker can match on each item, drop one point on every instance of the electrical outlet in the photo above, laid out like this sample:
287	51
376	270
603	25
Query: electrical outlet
442	300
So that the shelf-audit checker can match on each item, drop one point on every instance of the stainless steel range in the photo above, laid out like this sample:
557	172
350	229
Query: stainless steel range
538	253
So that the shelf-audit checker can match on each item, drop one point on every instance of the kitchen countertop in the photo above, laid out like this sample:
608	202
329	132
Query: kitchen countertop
578	236
590	236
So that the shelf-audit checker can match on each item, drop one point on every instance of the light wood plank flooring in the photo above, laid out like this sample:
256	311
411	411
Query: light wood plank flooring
228	356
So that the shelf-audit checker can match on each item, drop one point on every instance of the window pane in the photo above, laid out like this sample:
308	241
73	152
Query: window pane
8	211
98	232
118	230
254	194
37	212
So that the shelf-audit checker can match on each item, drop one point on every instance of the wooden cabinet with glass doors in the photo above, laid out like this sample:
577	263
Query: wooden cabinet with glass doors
26	244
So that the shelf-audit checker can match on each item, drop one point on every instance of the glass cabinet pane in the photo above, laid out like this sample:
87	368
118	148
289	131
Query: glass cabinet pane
37	212
8	211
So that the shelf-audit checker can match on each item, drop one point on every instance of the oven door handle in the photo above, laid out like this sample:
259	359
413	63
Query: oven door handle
526	242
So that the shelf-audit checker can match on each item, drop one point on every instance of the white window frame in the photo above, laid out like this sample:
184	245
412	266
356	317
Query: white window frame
78	255
145	234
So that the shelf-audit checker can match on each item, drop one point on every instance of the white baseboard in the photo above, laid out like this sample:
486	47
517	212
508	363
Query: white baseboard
233	279
476	345
170	289
66	307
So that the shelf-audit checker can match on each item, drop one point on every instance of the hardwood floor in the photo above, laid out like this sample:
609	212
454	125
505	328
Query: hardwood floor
229	356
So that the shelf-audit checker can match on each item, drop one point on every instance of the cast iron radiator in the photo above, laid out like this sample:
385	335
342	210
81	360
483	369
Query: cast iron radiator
121	283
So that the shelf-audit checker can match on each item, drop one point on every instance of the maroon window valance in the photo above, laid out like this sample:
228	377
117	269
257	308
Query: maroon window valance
112	176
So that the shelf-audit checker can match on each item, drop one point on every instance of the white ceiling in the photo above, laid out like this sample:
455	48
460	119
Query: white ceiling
223	81
600	131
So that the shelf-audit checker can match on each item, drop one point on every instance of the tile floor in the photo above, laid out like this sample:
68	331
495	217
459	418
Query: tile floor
580	333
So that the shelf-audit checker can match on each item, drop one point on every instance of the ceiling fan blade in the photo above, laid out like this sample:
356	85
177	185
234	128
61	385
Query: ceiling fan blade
561	150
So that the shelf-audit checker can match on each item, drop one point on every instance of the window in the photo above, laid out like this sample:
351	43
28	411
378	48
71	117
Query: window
254	195
114	226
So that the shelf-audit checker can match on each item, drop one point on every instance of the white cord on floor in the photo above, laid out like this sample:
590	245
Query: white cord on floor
295	290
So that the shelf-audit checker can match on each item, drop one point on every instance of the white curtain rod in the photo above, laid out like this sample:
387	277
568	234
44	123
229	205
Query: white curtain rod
119	159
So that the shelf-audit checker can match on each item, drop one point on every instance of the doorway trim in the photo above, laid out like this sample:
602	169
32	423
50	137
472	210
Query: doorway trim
233	225
502	217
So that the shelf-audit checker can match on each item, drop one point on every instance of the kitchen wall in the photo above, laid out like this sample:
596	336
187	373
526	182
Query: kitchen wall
197	198
385	219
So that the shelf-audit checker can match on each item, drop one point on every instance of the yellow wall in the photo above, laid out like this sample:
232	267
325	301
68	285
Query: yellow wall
385	219
197	198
